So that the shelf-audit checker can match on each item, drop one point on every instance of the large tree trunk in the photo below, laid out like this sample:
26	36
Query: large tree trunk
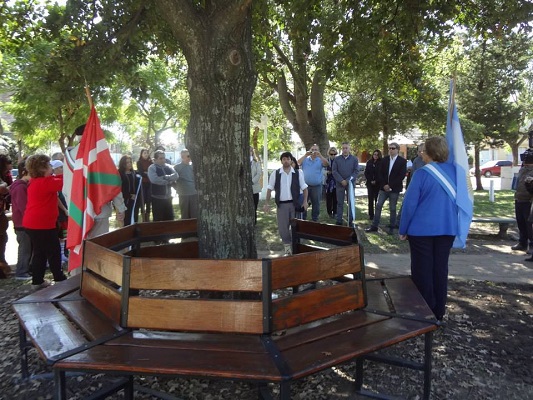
216	41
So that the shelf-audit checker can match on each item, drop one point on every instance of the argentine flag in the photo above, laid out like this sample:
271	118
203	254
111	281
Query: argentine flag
458	157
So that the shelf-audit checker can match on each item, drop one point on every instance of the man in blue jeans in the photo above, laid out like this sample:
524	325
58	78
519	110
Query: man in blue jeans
313	163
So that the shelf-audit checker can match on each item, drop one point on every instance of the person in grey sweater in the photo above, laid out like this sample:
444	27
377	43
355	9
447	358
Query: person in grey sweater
345	168
186	187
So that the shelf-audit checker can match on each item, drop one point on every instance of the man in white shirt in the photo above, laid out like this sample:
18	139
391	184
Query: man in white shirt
288	184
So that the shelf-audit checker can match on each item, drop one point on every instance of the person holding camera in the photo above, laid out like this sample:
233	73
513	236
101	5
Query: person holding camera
522	203
312	163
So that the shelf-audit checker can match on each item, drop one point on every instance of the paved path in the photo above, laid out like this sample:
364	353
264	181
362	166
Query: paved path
496	267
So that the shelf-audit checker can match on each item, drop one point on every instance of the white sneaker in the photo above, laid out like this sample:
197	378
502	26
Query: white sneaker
288	250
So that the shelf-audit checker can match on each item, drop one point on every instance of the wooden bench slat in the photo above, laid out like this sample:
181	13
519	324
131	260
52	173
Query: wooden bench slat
102	296
49	330
315	266
326	327
406	298
191	341
170	228
323	232
113	238
89	319
375	296
173	250
165	361
56	291
104	262
288	312
191	274
333	350
196	315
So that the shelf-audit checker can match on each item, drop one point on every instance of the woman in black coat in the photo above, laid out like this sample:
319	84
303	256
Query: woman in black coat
372	184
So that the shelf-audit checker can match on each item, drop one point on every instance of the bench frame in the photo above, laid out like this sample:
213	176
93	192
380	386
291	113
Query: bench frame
502	222
394	306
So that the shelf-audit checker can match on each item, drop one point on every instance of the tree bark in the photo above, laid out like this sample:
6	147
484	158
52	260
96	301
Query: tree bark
217	43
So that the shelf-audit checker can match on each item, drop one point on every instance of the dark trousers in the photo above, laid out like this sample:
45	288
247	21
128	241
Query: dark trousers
522	210
24	252
429	269
373	191
129	211
393	201
162	209
256	202
331	202
146	201
45	244
314	194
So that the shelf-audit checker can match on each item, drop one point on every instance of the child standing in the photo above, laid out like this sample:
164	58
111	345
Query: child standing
40	219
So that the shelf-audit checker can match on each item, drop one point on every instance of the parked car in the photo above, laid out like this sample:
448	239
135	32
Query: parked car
491	168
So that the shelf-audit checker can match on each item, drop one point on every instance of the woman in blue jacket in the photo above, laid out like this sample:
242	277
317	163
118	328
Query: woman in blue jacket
429	222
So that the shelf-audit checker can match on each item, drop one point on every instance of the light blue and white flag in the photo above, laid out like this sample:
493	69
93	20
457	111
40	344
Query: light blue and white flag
458	157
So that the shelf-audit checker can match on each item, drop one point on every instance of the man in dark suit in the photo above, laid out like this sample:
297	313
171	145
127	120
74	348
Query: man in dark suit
391	174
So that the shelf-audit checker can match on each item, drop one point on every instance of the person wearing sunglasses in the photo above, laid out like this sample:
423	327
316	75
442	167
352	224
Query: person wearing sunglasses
390	177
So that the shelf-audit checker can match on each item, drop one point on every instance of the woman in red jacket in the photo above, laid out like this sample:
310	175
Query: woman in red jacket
40	219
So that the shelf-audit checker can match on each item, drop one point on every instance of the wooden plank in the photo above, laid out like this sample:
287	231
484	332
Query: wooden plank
56	291
173	250
169	228
306	248
191	340
106	263
221	275
92	322
196	315
102	296
406	298
116	237
288	312
332	350
164	361
48	329
323	232
316	266
375	293
326	327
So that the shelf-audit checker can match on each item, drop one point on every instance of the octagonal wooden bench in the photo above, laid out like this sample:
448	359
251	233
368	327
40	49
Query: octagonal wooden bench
136	311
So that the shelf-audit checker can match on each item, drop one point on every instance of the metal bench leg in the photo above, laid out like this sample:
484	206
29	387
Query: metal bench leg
428	344
23	344
128	388
285	391
359	364
60	390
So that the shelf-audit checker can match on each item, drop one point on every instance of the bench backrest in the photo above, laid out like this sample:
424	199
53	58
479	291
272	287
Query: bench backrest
157	288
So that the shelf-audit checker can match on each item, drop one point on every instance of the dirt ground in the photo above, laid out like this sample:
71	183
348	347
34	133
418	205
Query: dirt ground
484	352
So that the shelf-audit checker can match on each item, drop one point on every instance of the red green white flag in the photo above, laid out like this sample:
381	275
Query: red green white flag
95	182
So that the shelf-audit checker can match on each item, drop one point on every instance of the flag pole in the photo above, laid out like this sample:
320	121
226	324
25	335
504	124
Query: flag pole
88	94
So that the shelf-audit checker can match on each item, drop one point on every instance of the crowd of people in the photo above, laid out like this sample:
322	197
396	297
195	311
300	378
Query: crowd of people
40	195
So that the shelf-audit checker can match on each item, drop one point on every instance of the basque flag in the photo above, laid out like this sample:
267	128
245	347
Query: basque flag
95	182
458	157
